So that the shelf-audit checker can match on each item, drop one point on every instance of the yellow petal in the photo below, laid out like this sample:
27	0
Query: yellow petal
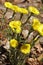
23	10
33	10
37	26
25	48
13	43
35	23
40	29
16	8
15	26
8	5
18	30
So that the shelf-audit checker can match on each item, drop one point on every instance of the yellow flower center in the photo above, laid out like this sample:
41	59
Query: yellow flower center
25	48
37	26
13	43
15	26
33	10
36	23
40	29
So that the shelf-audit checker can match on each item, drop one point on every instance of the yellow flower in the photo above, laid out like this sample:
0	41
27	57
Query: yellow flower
25	48
15	26
8	5
18	30
37	26
23	10
35	23
40	29
13	43
16	8
33	10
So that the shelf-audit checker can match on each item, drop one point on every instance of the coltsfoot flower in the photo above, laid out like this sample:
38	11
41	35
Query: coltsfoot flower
8	5
37	26
33	10
40	29
15	8
35	23
25	48
13	43
23	10
15	26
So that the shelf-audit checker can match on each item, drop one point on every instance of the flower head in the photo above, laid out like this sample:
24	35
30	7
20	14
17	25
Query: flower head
24	11
35	23
8	5
40	29
21	10
15	26
25	48
15	8
37	26
13	43
33	10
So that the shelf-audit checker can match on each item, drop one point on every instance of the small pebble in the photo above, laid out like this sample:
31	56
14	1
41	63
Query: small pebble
25	33
9	14
1	15
41	40
2	8
7	45
18	1
27	26
2	1
30	37
24	18
17	16
25	4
